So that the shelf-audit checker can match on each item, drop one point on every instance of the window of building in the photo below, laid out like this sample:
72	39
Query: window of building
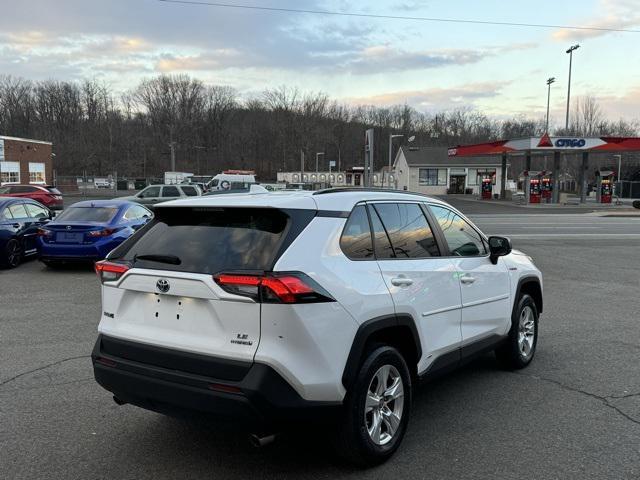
432	176
36	173
9	172
407	230
472	177
461	237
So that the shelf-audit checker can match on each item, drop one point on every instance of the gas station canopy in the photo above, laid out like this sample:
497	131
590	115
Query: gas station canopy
544	144
548	144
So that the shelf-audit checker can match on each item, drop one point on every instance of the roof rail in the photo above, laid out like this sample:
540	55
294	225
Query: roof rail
368	189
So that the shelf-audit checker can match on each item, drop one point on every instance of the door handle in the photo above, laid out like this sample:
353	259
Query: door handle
16	225
467	279
401	281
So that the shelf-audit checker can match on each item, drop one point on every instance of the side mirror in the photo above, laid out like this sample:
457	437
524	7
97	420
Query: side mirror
499	247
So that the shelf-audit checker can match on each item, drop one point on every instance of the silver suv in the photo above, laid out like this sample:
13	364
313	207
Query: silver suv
162	193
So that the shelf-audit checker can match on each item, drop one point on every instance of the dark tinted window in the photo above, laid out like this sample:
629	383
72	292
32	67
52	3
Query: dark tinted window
190	191
209	240
87	214
356	236
54	190
5	190
170	192
23	189
380	236
408	230
462	239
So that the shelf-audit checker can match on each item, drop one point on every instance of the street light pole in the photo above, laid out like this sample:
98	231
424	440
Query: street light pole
570	52
549	82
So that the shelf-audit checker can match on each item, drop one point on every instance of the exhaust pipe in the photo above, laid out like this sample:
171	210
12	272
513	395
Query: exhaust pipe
118	401
260	441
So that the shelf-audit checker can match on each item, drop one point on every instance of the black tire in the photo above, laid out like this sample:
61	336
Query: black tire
354	443
12	254
513	355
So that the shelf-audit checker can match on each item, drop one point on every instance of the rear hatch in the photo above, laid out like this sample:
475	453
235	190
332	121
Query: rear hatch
168	297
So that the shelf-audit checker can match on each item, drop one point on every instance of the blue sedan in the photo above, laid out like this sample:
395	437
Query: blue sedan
90	230
20	220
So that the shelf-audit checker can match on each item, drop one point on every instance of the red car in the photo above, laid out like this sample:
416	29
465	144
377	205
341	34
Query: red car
47	195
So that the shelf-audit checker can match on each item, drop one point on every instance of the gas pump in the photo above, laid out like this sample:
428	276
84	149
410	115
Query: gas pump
604	188
535	192
546	187
487	188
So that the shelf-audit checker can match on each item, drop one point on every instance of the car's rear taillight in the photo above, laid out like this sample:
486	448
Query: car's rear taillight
289	287
105	232
43	232
109	271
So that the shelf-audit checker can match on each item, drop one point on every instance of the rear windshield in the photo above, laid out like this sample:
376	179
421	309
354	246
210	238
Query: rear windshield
87	214
208	240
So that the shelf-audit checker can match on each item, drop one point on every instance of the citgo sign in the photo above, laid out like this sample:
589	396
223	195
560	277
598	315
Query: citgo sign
570	142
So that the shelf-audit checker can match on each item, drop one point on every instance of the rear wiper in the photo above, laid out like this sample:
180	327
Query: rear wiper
171	259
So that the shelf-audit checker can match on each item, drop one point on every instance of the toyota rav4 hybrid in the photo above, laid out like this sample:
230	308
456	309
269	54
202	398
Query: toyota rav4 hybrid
294	306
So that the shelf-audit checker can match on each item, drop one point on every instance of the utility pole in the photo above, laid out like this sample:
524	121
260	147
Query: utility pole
301	166
391	137
570	52
198	148
172	145
318	155
549	82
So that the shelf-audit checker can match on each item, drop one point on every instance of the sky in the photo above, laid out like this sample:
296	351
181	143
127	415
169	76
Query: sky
499	70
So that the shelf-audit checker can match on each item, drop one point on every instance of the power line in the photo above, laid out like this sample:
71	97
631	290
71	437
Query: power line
396	17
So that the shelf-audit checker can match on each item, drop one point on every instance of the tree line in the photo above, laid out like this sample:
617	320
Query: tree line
210	127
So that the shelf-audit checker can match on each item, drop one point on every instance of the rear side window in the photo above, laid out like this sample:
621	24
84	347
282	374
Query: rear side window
190	191
462	239
36	211
208	240
170	192
407	230
53	190
356	240
87	214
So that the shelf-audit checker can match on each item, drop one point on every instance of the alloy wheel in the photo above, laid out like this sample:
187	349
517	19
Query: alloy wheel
384	405
526	332
13	253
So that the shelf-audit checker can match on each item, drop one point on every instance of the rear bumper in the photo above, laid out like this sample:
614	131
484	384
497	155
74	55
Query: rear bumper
170	381
70	252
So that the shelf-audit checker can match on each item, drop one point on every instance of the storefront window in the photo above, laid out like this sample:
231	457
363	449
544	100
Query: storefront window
428	176
9	172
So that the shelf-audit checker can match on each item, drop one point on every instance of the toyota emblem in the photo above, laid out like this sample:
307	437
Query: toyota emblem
162	285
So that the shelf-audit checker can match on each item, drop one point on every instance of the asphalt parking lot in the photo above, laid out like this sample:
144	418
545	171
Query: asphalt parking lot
574	413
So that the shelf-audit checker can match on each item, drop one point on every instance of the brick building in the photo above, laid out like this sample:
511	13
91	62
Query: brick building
25	161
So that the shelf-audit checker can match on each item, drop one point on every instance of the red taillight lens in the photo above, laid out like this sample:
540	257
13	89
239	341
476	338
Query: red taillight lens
43	232
109	271
105	232
274	288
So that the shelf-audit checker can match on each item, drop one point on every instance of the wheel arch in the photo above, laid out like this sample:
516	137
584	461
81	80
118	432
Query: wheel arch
399	331
531	286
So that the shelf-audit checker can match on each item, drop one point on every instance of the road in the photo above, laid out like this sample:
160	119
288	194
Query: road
573	414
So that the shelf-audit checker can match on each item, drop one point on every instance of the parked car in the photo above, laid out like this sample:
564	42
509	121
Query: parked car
89	230
162	193
282	307
47	195
20	219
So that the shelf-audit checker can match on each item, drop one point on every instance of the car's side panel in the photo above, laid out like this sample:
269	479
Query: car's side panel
308	345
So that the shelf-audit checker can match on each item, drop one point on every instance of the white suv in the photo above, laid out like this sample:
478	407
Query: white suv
277	307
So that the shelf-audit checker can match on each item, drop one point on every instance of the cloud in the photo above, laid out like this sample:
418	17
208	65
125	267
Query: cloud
221	58
437	97
614	14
